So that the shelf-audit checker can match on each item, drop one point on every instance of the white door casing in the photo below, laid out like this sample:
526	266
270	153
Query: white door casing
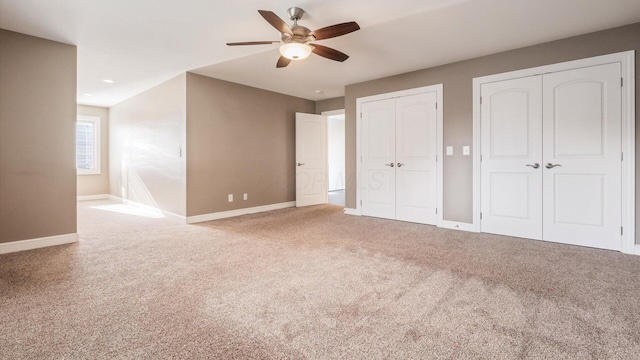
582	141
311	159
511	179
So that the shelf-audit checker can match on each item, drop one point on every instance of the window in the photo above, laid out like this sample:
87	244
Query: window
88	145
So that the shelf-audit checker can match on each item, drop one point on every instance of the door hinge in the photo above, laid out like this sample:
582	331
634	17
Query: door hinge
436	106
480	157
360	115
621	230
480	100
622	156
621	82
480	216
360	202
436	211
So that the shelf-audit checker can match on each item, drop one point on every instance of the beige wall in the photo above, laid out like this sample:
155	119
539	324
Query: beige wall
240	140
329	104
37	137
99	183
146	136
457	80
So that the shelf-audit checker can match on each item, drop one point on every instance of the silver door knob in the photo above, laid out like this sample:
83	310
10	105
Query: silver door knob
389	164
300	164
400	164
535	166
551	166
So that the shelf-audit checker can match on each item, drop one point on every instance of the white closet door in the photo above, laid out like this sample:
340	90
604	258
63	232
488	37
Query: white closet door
416	166
378	158
582	192
311	159
511	148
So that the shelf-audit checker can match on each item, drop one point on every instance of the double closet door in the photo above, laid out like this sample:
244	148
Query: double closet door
399	149
551	157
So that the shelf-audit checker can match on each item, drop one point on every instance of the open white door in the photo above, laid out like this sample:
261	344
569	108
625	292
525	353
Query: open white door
311	159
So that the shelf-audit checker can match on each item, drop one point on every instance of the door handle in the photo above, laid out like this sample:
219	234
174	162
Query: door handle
389	164
535	166
400	164
551	166
300	164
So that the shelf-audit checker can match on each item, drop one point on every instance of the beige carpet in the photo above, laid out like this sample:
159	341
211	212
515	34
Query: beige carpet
313	283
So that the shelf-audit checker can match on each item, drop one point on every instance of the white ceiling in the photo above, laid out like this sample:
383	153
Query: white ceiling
141	43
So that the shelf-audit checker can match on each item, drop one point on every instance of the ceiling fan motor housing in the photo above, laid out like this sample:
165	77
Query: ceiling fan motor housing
300	34
295	13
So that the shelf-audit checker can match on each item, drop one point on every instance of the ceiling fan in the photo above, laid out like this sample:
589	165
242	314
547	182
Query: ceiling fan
296	39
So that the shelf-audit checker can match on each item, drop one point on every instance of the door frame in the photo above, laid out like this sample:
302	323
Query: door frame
626	60
330	113
438	88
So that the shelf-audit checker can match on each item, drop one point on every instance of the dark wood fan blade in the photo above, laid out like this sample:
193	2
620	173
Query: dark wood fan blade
329	53
335	30
275	21
253	43
282	62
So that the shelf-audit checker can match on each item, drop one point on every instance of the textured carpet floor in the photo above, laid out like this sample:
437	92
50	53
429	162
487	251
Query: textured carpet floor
313	283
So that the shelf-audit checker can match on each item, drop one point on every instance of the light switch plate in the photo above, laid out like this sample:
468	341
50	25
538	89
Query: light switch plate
449	150
465	150
230	197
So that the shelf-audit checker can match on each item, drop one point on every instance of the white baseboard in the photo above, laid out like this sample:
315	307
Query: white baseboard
636	250
29	244
238	212
350	211
151	208
454	225
93	197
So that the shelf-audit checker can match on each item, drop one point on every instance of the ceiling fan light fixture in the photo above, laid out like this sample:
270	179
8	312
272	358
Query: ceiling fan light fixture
295	51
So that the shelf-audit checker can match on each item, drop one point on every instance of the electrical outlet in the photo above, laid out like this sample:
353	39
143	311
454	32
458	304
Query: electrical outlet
449	150
465	150
245	196
230	196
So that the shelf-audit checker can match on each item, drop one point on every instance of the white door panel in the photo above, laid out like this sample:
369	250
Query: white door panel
311	159
582	135
415	202
378	158
416	171
511	131
505	187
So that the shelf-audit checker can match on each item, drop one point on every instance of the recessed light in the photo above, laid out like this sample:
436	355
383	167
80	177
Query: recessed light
108	81
318	92
87	94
